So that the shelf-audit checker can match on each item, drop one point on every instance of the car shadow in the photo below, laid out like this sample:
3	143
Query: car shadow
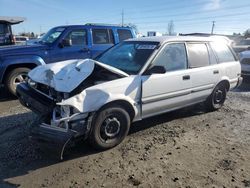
244	87
5	96
22	156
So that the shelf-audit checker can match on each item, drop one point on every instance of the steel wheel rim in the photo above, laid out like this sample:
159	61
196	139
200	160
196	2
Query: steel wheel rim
20	78
110	128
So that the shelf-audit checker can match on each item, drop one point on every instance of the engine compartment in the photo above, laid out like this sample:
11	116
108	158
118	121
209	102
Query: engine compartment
98	76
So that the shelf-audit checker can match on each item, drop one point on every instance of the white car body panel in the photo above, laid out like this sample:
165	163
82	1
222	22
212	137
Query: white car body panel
93	98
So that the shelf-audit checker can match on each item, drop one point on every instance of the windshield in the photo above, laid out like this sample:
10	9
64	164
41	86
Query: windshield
129	56
51	35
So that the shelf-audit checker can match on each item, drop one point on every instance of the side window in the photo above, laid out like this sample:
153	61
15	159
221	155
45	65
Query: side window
124	34
78	37
222	52
172	57
197	55
102	36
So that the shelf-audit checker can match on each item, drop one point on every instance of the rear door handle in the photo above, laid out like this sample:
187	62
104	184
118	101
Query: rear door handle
186	77
216	71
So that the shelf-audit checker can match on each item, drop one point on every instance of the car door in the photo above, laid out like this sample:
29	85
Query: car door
170	90
204	70
102	39
77	49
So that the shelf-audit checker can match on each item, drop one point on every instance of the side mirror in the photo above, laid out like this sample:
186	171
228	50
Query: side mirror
65	43
156	70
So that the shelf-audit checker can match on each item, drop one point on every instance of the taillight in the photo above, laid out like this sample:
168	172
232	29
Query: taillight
13	39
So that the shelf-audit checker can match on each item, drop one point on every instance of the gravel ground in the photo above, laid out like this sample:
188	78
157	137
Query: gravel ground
186	148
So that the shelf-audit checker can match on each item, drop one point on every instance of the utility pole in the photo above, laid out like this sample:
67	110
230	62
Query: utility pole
212	31
122	17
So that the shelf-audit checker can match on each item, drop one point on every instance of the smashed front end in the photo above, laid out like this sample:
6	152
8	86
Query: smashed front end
45	91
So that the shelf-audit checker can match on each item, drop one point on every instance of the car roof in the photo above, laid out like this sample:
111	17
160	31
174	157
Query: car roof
95	25
163	39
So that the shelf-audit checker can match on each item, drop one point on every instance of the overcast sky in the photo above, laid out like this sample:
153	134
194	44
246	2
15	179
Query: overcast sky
149	15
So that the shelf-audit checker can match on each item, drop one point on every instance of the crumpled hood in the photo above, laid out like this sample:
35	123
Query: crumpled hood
65	76
21	49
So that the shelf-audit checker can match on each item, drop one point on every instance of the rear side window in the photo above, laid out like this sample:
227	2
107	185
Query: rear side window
124	34
102	36
222	52
197	55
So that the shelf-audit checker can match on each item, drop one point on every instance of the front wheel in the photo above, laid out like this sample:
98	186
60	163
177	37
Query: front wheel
109	128
15	77
216	100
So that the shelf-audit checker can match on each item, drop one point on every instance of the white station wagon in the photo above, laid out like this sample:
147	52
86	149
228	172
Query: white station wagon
139	78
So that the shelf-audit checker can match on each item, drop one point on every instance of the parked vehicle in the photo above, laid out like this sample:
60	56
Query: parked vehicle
21	40
139	78
58	44
242	45
6	35
154	33
245	63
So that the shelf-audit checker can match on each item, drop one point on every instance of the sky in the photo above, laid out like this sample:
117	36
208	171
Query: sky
188	16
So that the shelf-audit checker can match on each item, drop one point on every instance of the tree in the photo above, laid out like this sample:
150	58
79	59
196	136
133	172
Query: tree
171	27
32	35
247	33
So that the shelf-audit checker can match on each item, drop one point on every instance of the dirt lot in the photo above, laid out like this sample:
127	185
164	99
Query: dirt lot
185	148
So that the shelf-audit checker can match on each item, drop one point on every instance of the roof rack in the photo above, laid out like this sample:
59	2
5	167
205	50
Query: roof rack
104	24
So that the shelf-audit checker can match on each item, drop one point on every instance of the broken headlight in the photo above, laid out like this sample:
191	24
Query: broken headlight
64	116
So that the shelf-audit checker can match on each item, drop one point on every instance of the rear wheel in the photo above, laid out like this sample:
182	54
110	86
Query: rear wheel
109	128
15	77
216	100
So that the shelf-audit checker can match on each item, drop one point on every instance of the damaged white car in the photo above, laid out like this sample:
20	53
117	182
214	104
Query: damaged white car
99	99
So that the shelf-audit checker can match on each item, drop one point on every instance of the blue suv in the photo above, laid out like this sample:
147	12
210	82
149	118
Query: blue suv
58	44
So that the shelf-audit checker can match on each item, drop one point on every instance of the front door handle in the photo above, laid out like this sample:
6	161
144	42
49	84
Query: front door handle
216	71
186	77
84	50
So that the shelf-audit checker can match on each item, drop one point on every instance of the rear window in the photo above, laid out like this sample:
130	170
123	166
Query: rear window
102	36
244	42
197	55
4	28
124	34
222	52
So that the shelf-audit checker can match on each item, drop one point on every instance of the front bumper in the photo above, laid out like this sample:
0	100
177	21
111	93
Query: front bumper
55	136
240	80
52	138
34	100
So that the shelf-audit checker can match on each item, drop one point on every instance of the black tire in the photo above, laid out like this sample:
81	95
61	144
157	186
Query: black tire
217	98
15	77
109	127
